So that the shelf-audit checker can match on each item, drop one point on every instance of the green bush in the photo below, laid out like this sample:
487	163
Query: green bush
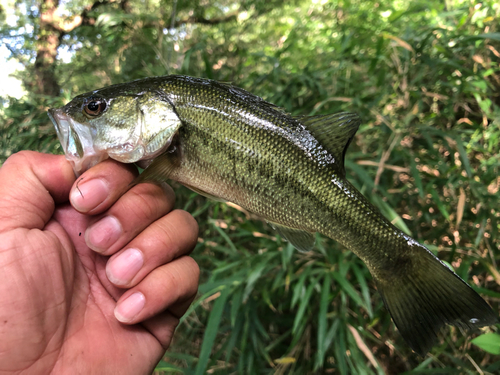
424	76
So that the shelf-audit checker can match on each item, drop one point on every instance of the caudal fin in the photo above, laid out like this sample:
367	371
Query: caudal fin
423	301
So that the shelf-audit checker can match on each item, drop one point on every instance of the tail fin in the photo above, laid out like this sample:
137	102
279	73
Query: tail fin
423	301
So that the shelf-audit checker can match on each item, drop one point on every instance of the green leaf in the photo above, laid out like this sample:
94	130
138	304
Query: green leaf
236	303
304	303
298	288
489	342
440	204
322	320
365	291
164	366
349	289
253	277
211	331
463	156
492	36
225	237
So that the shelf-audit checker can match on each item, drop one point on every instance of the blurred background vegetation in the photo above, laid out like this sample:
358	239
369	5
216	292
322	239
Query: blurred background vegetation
423	75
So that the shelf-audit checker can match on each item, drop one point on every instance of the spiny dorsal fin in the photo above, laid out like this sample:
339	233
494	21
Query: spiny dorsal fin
333	132
160	169
300	239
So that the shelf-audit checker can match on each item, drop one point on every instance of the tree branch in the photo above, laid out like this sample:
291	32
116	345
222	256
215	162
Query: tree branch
65	25
212	21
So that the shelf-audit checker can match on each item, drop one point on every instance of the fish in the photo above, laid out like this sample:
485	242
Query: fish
232	146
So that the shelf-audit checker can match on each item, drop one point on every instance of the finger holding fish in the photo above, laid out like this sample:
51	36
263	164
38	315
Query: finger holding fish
157	243
128	216
100	187
168	238
169	287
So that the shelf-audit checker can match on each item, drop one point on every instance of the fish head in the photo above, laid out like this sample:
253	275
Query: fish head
124	122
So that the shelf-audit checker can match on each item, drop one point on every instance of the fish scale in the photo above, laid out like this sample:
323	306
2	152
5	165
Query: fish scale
229	158
230	145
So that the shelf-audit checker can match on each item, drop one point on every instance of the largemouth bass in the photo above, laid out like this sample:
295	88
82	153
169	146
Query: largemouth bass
227	144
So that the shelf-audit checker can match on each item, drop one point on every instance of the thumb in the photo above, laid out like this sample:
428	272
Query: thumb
31	184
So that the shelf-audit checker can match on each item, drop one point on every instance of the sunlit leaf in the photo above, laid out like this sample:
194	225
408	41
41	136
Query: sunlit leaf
489	342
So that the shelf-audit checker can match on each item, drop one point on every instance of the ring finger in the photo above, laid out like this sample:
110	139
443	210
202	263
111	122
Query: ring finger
166	239
171	286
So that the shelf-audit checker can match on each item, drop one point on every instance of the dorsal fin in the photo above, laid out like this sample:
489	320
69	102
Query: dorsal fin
333	132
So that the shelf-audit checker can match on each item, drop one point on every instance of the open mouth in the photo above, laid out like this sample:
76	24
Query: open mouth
77	142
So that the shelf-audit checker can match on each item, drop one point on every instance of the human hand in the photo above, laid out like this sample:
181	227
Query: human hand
71	272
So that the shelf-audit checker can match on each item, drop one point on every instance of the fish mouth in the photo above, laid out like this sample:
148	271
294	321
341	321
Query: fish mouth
77	142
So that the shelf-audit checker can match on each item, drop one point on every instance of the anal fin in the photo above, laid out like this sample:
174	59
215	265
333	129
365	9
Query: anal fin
205	194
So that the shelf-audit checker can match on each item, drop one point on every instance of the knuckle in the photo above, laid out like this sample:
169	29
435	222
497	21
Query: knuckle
167	239
172	283
187	277
195	273
150	201
144	205
188	221
19	158
180	280
168	192
179	232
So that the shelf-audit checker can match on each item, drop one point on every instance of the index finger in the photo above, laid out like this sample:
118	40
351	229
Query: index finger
31	184
101	186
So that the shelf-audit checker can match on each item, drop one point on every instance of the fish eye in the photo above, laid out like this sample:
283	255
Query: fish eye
94	107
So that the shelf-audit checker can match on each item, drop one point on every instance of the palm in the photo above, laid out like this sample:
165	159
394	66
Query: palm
91	318
57	306
75	302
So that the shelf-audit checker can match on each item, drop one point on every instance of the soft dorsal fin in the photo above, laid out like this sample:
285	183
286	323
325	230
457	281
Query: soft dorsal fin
333	132
300	239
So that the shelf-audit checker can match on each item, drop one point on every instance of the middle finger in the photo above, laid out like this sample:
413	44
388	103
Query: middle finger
130	215
166	239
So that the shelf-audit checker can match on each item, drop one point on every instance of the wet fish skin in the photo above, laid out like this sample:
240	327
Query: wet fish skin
230	145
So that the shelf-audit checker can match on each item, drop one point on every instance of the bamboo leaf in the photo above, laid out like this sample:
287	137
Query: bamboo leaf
211	331
322	321
349	289
304	303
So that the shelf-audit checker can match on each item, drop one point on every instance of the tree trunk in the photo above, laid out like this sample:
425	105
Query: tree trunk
46	51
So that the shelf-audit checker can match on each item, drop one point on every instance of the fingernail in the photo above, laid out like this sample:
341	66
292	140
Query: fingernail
89	194
122	269
103	234
128	309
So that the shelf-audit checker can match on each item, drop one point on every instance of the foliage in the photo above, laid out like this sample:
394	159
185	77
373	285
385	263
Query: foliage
425	78
489	342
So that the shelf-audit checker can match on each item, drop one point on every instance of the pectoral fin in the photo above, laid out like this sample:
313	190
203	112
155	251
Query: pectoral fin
160	169
300	239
